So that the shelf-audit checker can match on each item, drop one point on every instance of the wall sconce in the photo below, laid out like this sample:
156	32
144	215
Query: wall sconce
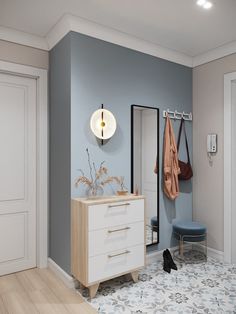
103	124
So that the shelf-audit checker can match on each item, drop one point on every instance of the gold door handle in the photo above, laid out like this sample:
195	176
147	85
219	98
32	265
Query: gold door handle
117	230
119	205
115	255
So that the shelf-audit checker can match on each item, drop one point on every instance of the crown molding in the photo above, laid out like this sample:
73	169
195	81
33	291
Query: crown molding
72	23
80	25
22	38
215	54
76	24
58	31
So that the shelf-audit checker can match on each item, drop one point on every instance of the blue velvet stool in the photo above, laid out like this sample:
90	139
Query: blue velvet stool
189	231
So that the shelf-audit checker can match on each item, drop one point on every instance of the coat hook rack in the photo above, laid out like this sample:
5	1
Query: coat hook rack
177	115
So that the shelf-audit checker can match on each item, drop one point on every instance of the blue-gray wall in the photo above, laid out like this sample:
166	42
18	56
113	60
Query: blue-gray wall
105	73
60	159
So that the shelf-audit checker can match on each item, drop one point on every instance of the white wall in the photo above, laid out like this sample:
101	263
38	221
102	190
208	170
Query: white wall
23	55
208	110
233	229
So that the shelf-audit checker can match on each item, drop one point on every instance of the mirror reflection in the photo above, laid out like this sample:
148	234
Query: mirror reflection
145	164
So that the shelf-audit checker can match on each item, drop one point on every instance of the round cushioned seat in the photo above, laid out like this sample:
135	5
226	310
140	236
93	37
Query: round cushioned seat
154	221
195	231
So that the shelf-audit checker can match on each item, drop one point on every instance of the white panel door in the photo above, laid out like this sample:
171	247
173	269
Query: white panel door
17	173
149	154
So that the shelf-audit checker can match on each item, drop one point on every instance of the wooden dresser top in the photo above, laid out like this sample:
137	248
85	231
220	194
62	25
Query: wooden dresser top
108	199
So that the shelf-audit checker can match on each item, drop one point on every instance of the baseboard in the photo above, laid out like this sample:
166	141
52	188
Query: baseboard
157	256
219	255
68	280
151	257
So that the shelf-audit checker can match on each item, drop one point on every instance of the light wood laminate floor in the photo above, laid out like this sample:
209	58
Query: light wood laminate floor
39	291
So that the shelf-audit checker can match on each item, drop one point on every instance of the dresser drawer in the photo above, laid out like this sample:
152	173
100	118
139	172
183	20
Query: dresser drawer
115	214
114	263
115	238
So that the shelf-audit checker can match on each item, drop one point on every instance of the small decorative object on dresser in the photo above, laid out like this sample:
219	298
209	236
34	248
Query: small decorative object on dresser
122	189
108	239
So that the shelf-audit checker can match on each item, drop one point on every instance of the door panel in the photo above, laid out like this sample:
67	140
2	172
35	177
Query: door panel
12	124
17	173
12	228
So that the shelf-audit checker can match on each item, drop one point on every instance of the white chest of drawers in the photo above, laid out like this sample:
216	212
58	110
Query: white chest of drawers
107	239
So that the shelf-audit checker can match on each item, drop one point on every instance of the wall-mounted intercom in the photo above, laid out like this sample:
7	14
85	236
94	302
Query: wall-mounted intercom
211	147
212	143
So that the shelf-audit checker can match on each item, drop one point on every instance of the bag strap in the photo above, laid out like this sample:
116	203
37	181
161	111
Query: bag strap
182	125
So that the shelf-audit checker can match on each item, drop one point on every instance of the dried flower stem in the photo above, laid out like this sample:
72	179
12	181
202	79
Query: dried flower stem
90	167
98	177
81	171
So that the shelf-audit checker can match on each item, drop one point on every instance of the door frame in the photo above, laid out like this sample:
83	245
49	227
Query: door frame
228	205
42	153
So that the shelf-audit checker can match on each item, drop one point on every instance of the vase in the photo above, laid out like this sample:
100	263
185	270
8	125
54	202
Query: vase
94	191
122	192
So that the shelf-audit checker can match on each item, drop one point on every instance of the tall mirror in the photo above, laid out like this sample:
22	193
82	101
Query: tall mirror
145	164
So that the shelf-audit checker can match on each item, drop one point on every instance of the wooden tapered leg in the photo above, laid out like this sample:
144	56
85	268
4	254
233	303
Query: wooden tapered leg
81	286
134	276
93	290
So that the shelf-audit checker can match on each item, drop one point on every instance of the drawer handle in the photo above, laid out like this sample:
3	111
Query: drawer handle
117	230
118	205
123	253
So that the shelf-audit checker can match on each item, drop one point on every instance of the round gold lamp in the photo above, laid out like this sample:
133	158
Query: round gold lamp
103	124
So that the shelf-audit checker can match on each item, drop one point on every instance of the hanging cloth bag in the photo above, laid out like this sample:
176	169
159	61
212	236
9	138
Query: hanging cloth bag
186	171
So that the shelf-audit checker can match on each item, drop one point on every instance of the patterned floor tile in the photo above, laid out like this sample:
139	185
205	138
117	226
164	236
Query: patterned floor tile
207	287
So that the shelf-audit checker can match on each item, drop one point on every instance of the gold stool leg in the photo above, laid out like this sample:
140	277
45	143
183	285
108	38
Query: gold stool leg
181	247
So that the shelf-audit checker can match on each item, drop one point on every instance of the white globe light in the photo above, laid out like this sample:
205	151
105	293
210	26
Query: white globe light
103	124
207	5
201	2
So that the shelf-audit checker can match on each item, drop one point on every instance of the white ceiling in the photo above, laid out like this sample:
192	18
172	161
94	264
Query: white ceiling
179	25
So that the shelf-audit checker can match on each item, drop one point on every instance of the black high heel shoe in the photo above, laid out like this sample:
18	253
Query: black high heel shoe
166	263
172	264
